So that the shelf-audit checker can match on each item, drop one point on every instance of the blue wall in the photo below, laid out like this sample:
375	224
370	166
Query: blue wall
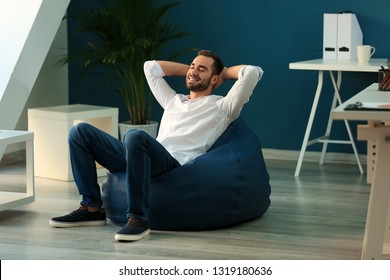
271	34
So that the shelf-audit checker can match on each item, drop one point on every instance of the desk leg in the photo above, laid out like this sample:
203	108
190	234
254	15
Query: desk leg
337	92
336	98
310	122
380	192
354	147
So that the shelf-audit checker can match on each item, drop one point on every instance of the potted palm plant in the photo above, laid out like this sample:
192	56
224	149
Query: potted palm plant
126	33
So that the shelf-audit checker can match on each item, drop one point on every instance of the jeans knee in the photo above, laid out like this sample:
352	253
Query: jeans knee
78	130
134	137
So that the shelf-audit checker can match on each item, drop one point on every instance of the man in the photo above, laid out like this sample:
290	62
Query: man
189	126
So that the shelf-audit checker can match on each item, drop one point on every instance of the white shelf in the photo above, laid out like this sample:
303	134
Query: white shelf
14	199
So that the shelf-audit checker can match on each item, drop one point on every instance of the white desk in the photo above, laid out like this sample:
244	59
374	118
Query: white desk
377	233
15	199
331	65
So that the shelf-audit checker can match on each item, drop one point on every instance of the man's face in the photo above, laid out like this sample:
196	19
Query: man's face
200	73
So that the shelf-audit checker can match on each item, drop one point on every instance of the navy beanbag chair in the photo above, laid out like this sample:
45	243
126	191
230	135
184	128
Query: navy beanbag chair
227	185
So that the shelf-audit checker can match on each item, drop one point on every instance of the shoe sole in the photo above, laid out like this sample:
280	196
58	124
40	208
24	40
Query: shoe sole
77	224
131	237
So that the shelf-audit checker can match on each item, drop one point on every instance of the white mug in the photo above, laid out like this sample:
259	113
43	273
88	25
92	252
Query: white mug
364	53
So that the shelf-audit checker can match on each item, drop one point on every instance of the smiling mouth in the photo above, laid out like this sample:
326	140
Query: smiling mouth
192	79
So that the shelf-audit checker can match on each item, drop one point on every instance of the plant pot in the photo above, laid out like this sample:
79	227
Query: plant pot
151	128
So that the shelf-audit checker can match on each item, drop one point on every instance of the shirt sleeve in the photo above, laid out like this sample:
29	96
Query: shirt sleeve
157	84
239	94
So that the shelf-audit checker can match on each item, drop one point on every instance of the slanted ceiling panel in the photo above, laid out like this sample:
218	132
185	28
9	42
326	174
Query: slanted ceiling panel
27	30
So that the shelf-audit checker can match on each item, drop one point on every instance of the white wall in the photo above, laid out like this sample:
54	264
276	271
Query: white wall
32	34
16	20
51	87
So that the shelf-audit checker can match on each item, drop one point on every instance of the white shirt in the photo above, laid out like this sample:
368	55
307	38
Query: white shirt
189	127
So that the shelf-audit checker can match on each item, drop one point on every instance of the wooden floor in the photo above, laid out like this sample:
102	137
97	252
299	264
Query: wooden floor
320	215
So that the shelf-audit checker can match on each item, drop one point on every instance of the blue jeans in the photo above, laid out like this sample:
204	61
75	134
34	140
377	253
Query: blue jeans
140	156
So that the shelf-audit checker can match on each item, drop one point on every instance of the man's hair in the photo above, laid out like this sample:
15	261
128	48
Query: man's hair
217	66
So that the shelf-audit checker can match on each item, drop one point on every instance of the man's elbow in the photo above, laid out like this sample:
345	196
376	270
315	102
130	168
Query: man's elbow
254	72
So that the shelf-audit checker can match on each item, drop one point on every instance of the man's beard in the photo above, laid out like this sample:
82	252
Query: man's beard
199	86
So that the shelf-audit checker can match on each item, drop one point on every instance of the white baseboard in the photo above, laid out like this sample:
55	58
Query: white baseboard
312	156
268	154
386	249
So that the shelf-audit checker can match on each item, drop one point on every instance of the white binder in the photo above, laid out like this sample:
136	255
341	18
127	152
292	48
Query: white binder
329	50
349	36
342	34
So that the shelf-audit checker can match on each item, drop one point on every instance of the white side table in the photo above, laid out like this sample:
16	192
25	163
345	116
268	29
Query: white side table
14	199
51	126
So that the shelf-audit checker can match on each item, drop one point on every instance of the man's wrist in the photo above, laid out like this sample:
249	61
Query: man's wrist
231	73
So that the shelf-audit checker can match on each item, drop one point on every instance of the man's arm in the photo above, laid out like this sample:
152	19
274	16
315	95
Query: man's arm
171	68
231	73
228	73
247	77
154	73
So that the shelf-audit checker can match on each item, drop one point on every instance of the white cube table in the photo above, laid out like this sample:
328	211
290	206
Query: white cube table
9	199
51	126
